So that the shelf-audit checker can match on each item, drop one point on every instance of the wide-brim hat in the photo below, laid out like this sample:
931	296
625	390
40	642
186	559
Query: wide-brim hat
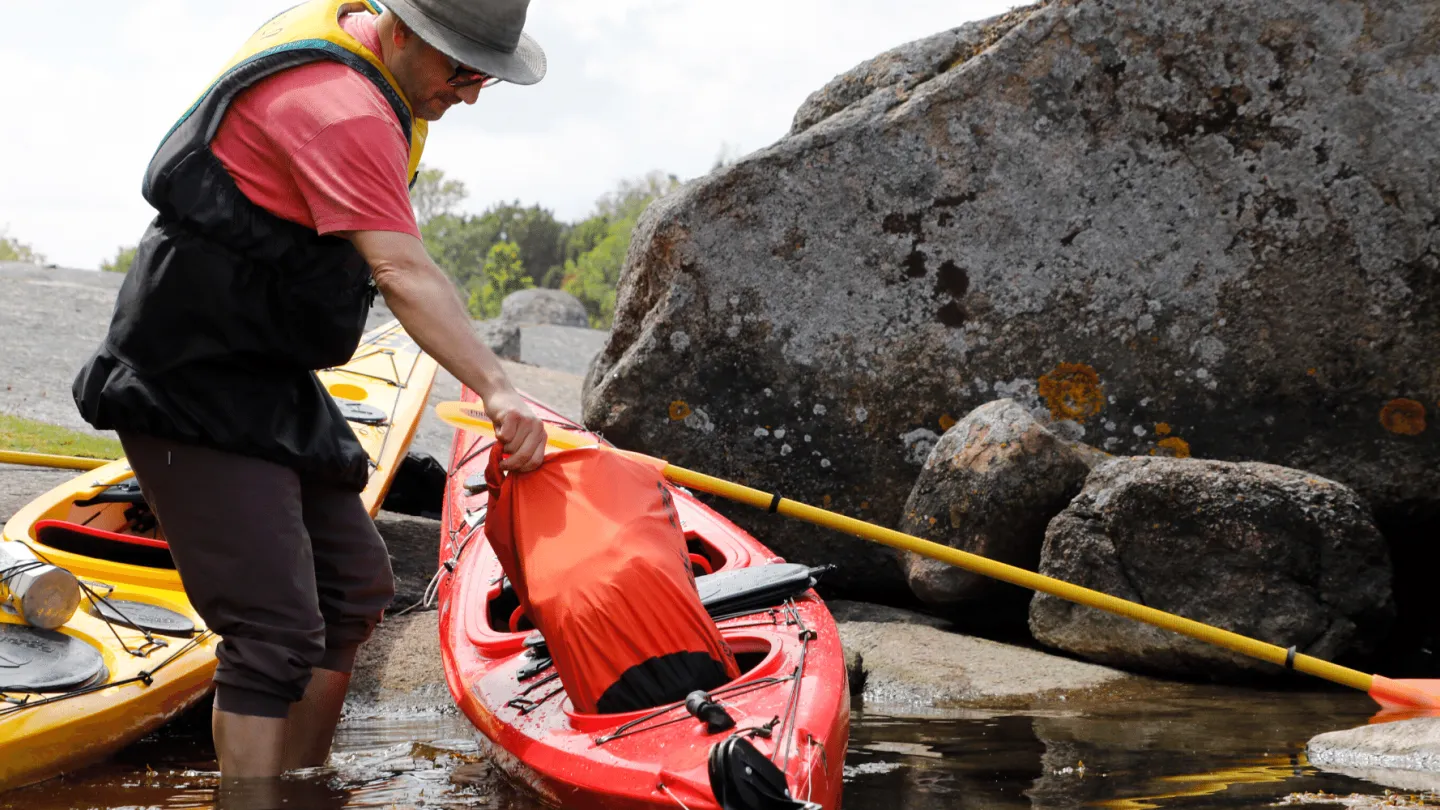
487	35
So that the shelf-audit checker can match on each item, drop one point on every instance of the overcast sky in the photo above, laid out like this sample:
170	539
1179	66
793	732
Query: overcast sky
633	85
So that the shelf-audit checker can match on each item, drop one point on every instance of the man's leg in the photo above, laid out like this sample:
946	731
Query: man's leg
247	745
310	727
354	586
236	529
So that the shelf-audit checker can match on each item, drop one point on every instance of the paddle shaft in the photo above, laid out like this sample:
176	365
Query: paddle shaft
1384	690
1019	576
48	460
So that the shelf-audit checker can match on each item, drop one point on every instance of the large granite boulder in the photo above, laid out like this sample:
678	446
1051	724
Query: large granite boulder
539	305
1186	227
990	487
1271	553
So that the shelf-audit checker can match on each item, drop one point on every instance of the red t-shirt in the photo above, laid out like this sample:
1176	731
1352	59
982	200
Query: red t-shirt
319	145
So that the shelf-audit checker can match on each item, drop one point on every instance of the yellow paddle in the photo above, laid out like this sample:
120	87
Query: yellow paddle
1408	694
48	460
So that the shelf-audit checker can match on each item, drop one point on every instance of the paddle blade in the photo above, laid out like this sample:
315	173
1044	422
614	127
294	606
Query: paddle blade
1408	696
471	416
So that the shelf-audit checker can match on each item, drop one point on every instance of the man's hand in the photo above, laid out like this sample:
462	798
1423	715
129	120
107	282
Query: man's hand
428	307
520	431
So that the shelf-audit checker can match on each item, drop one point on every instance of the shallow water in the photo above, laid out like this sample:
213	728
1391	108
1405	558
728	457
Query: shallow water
1191	747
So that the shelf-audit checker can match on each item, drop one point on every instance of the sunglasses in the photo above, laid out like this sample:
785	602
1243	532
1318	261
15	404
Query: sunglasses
466	77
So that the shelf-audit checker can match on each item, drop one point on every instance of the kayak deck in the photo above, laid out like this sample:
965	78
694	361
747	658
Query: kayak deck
791	700
99	528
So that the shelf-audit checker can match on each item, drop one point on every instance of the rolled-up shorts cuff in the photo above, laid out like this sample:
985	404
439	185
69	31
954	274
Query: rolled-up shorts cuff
340	660
239	700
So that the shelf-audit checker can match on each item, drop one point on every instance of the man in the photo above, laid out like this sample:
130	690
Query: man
283	205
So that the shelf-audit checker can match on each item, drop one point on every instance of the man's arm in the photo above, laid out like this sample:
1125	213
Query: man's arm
425	301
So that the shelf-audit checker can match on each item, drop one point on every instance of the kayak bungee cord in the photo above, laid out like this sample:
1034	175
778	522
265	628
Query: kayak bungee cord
143	651
150	645
146	677
432	590
1391	694
394	382
805	636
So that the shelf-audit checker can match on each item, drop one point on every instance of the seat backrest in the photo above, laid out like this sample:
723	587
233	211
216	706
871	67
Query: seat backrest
101	544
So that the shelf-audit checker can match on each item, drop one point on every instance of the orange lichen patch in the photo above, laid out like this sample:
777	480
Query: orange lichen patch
947	421
1163	428
1072	391
864	504
1175	447
826	501
1311	372
1405	417
679	410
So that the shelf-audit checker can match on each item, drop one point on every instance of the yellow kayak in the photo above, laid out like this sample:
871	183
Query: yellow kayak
135	653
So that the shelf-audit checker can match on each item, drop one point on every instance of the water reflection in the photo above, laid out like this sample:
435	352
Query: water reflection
1189	747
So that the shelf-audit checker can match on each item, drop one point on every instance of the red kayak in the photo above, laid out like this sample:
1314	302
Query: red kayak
775	737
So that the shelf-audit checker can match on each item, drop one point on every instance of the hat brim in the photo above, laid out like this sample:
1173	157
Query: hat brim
525	66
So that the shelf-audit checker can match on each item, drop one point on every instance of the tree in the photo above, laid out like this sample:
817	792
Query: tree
461	244
594	275
535	231
122	261
632	196
502	275
13	250
433	195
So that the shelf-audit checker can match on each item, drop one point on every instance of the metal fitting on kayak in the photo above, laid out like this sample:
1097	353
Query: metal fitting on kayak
41	594
704	708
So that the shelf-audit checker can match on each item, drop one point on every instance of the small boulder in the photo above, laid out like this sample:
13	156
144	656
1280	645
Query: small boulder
1272	553
414	546
540	305
502	336
989	487
912	664
1403	754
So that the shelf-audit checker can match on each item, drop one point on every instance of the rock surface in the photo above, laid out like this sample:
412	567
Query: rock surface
502	336
1403	754
539	305
414	545
1204	228
1271	553
399	667
912	664
990	487
53	319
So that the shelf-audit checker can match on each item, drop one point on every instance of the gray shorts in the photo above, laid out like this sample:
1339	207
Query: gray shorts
290	574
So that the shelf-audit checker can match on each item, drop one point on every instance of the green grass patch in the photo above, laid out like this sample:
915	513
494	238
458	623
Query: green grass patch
29	436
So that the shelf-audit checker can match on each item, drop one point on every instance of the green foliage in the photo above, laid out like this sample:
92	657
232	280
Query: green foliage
433	196
630	197
593	275
461	244
121	264
13	250
508	246
501	275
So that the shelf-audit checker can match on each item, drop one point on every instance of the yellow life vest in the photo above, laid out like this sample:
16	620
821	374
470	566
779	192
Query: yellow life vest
305	33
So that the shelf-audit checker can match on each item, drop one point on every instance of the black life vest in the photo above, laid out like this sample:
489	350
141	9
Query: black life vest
228	310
